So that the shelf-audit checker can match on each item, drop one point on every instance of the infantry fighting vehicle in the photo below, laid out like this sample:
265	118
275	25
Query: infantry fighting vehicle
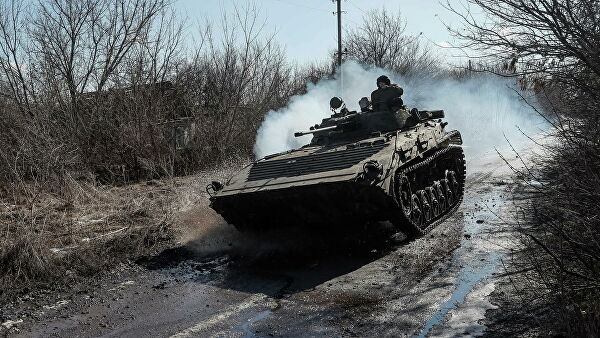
359	168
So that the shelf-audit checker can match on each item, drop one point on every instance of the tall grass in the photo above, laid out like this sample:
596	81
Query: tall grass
49	237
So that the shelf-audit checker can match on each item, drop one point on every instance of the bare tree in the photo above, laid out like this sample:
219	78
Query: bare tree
109	85
13	54
557	39
81	43
57	60
554	46
159	52
238	74
383	42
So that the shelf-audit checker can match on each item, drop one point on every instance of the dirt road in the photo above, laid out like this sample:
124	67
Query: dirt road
224	284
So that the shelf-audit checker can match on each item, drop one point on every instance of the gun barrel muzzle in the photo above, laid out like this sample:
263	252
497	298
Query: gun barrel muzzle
302	133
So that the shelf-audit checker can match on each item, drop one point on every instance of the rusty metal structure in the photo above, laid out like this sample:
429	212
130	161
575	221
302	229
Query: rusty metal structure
360	167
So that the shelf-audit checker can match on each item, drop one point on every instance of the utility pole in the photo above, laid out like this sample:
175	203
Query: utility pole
339	20
339	52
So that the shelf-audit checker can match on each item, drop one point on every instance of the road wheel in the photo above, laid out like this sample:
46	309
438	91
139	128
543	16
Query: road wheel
447	192
438	190
433	201
453	182
426	206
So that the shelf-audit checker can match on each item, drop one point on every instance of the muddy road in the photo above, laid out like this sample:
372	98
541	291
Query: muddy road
224	284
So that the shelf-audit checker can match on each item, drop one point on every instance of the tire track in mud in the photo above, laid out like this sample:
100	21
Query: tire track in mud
311	285
220	317
487	240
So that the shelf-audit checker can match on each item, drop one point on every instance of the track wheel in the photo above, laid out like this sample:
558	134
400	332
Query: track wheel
411	221
405	195
447	192
438	190
433	201
426	206
451	176
416	214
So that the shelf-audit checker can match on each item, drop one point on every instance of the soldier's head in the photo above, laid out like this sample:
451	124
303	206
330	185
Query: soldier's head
383	81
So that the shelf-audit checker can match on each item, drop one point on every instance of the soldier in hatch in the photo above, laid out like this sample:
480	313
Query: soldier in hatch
387	95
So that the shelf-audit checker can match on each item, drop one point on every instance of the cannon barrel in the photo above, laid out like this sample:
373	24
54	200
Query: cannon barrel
302	133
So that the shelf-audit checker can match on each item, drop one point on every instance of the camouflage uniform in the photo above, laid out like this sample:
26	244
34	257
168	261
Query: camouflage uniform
382	98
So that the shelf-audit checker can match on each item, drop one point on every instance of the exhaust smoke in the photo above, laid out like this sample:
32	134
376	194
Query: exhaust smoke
485	108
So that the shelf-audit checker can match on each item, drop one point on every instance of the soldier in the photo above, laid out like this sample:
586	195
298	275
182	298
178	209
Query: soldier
387	95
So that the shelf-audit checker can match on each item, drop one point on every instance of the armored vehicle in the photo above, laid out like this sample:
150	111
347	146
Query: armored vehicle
360	167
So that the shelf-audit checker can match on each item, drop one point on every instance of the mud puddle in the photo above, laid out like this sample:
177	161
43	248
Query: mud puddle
297	259
248	330
479	257
469	278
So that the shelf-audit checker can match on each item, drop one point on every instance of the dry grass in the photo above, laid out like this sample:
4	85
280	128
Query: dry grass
49	237
46	237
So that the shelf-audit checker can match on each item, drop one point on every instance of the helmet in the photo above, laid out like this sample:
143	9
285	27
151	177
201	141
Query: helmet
364	104
383	79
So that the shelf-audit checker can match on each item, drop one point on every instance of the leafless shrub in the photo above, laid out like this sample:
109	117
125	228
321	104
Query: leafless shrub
95	94
56	60
237	74
552	46
559	227
72	106
103	87
312	73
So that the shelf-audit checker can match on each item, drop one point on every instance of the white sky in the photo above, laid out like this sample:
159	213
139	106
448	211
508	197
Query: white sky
308	28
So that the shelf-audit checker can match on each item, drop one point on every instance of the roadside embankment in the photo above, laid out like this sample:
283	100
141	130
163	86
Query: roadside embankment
50	239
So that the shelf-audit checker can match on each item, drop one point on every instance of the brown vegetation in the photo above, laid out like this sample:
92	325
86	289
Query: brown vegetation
98	97
97	94
552	45
51	237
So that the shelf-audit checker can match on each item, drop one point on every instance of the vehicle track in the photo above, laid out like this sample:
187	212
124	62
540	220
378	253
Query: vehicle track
331	287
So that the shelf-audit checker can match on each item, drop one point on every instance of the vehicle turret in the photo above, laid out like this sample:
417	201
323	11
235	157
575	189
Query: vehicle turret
345	125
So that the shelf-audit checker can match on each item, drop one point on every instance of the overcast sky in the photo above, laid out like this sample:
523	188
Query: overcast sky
308	28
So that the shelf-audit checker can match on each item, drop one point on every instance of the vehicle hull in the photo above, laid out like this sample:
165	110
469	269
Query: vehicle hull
349	184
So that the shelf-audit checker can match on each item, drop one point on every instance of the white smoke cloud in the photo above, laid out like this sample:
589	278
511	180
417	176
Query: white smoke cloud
484	108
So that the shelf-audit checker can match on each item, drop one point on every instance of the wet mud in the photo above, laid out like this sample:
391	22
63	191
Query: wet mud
362	282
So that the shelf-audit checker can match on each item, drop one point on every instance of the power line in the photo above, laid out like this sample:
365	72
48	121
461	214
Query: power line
355	6
303	6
